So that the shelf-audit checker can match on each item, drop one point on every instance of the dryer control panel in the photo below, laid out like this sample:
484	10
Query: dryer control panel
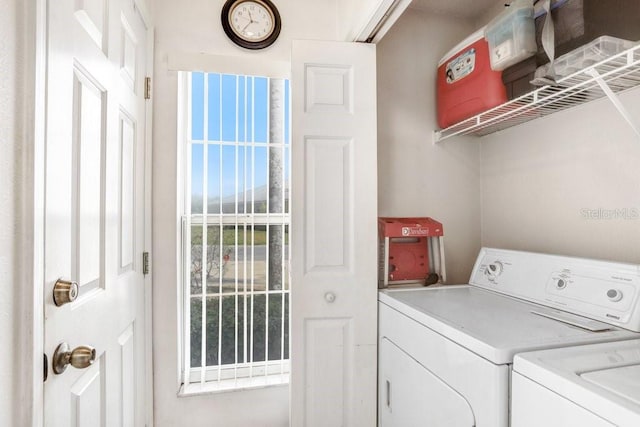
601	290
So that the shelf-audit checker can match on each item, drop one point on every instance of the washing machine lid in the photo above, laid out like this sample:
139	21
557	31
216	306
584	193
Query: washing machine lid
602	378
496	326
623	381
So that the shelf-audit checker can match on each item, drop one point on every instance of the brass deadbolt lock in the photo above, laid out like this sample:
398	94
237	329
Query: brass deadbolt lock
64	291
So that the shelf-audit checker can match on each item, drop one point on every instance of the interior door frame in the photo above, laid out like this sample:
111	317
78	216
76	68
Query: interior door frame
147	18
31	297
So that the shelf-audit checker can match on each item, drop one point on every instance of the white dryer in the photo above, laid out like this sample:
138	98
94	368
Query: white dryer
587	386
445	353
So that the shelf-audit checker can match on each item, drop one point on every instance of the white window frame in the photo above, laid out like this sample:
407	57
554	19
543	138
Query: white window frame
222	377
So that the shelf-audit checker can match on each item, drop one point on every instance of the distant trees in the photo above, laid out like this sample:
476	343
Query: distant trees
211	268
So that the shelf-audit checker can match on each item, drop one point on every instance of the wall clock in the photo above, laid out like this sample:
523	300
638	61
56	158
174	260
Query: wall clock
252	24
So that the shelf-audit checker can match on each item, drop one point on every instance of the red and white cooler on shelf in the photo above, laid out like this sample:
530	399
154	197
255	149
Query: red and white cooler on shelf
466	83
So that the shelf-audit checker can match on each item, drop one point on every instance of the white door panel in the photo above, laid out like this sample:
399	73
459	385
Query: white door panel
86	397
412	396
94	209
334	181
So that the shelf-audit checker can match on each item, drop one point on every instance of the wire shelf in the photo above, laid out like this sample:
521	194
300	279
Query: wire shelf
619	72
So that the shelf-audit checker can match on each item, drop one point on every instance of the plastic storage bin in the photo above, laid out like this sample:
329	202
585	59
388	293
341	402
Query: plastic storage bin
589	54
466	83
517	78
577	22
511	35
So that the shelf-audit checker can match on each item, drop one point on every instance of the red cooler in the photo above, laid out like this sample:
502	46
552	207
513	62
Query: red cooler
466	83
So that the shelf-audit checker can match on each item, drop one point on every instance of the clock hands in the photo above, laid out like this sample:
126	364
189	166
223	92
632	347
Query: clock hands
251	21
245	27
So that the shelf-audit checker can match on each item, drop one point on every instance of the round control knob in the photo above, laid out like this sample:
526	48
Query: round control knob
614	295
561	284
494	269
330	297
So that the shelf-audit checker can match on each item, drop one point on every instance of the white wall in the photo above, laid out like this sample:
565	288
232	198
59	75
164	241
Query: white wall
538	179
15	330
348	12
490	13
415	177
10	143
195	28
354	15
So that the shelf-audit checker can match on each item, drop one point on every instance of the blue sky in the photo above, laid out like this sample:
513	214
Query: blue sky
240	120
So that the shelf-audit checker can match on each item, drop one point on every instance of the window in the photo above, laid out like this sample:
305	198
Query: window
236	231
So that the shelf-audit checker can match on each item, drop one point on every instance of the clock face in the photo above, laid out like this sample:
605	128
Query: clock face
252	20
252	24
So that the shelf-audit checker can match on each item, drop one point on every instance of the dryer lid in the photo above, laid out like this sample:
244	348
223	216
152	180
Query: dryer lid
492	325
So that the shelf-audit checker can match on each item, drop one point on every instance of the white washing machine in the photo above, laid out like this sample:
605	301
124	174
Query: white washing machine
445	353
587	386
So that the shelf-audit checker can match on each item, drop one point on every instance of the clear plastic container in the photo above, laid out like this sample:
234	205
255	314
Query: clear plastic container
512	35
587	55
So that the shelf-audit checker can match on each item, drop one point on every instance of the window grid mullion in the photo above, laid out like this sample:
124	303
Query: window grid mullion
253	211
229	219
284	231
235	352
244	240
268	228
283	242
186	306
205	161
220	229
231	143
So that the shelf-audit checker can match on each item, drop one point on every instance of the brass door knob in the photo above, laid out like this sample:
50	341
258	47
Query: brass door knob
81	357
64	291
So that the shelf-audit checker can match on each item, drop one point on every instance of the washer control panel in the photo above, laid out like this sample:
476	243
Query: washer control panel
595	287
605	291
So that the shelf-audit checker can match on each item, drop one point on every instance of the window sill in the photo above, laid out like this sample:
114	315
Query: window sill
233	385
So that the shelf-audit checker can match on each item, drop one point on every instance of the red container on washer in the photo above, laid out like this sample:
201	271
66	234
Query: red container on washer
404	251
466	83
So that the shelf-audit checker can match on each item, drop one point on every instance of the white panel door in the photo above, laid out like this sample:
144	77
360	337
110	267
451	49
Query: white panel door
334	214
94	210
